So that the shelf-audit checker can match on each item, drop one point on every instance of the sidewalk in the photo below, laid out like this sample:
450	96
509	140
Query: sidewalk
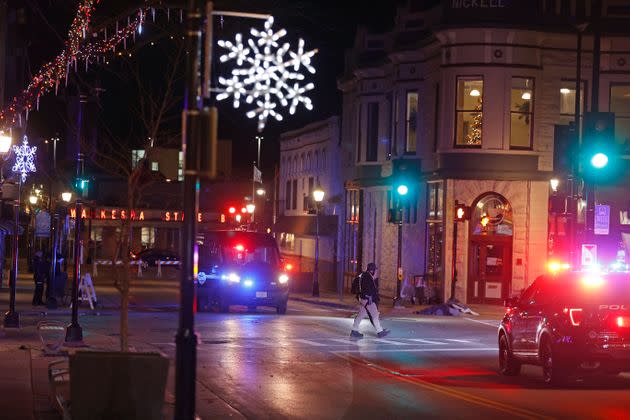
386	308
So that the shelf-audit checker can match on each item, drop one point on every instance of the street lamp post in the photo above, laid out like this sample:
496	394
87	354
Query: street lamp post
74	332
318	196
12	318
24	164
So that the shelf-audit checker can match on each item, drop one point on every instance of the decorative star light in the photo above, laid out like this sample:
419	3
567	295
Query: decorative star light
24	159
267	73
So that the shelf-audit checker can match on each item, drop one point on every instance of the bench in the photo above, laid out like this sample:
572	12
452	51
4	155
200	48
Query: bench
109	385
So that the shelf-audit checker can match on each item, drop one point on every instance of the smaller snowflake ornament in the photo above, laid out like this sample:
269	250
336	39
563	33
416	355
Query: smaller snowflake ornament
24	159
268	74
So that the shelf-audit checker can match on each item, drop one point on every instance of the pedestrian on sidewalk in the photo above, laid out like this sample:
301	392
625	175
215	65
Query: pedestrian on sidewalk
368	298
40	273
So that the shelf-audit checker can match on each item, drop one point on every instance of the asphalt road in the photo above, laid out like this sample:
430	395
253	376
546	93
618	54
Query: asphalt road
303	365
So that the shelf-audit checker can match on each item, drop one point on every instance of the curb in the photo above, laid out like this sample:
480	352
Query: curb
322	303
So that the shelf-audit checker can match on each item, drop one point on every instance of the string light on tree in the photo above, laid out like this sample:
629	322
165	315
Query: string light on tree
474	135
267	74
24	159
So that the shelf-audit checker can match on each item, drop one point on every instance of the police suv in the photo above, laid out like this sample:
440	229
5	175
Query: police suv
568	323
240	268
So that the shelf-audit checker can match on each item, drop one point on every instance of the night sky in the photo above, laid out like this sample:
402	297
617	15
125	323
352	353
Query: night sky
329	26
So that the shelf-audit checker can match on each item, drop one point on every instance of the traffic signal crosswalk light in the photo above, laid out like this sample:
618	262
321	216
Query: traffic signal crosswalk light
600	153
462	212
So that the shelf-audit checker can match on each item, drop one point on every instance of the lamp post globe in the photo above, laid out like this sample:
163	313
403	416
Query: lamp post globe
260	191
318	195
250	208
66	196
5	143
32	199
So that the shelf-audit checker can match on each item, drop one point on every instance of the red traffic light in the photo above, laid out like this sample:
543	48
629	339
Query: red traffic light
462	212
232	210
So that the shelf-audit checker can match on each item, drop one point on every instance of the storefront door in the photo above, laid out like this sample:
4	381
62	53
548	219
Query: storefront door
490	252
490	270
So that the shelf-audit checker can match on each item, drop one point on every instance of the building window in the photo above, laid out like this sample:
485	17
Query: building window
287	196
155	166
469	108
136	157
96	234
324	159
521	113
435	233
294	195
287	242
411	122
359	134
567	97
352	236
620	105
371	148
147	237
180	167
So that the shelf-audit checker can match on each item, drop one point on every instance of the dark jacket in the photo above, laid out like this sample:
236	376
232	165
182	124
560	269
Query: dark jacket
369	287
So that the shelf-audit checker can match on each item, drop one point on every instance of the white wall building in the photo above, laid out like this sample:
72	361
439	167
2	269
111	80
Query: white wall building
309	157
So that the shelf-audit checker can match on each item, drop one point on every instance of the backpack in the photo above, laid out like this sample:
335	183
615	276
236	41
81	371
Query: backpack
355	288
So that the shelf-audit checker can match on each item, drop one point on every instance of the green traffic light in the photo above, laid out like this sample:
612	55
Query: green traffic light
599	160
402	189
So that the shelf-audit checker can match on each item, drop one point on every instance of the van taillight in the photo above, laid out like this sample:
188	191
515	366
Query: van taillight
575	315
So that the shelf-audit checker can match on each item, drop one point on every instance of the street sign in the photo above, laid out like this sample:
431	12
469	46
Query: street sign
42	224
589	254
602	219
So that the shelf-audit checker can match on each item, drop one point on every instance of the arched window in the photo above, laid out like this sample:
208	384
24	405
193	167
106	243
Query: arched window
308	161
295	164
324	158
316	164
492	215
301	163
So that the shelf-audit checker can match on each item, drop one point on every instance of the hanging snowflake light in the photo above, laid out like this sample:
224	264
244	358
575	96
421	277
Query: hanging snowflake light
24	159
267	73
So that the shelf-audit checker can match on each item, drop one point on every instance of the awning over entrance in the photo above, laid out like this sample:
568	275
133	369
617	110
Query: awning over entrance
305	225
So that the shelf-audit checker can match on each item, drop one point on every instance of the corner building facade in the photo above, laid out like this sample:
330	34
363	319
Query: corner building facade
463	102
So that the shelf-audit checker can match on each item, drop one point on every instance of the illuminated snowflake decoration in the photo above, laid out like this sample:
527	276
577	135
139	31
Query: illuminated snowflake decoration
268	73
24	159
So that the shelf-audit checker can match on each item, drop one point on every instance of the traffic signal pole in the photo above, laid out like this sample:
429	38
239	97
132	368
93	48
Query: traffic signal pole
186	338
589	186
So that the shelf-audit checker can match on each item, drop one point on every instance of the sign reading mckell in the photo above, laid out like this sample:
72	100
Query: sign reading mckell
477	4
479	11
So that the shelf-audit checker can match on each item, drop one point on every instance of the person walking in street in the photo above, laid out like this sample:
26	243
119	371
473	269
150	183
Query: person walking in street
40	273
368	297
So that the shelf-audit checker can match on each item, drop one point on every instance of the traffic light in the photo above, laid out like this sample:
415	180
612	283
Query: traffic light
82	186
402	189
600	152
462	212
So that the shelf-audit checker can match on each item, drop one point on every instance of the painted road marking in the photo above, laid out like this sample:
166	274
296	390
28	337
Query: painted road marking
490	323
392	342
451	392
457	340
423	341
309	342
417	350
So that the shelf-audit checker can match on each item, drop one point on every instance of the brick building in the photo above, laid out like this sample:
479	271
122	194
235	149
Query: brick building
465	100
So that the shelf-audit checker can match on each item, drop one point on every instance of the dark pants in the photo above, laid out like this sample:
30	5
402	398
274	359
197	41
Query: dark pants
38	293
